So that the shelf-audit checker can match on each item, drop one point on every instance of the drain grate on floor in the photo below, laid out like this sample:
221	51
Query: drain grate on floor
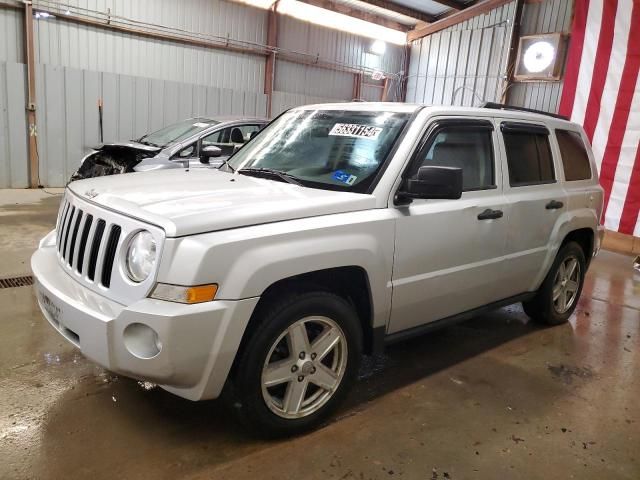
16	282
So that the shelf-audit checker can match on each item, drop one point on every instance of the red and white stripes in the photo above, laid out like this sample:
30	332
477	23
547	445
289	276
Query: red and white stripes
602	92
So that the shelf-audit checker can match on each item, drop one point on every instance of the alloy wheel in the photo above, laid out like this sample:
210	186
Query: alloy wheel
304	367
566	284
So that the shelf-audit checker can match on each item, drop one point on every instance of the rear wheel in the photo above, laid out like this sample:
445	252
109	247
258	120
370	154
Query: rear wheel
298	365
559	293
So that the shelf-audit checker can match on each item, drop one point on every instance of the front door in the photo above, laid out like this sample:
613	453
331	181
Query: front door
448	253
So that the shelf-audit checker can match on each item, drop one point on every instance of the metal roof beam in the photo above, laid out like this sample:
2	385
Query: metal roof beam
394	7
479	8
354	12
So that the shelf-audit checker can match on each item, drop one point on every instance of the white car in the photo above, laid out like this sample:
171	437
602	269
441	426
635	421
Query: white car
338	229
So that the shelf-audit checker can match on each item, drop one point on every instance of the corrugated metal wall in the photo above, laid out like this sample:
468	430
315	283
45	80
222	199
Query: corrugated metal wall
336	46
547	16
13	126
463	64
313	81
132	106
11	36
147	82
85	47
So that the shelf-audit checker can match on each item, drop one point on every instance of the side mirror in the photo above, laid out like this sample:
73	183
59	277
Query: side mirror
209	152
434	182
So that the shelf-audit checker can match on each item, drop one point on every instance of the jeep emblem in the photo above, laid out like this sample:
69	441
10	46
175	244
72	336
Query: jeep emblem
91	193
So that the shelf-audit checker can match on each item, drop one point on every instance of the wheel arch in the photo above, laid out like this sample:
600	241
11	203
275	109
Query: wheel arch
350	282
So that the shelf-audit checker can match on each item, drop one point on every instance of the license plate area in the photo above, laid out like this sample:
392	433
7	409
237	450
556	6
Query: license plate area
55	314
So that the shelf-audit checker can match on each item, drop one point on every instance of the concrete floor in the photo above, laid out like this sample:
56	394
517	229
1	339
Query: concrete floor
495	397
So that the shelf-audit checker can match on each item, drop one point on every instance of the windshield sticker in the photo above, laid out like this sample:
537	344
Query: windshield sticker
344	177
356	131
201	125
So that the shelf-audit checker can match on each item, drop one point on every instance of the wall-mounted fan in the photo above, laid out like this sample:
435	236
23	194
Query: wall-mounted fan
540	57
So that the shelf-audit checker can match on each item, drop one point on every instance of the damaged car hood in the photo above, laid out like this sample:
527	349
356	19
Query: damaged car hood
130	144
190	202
113	158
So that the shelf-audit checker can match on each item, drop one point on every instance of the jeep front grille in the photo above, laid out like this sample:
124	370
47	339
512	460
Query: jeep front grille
89	239
86	249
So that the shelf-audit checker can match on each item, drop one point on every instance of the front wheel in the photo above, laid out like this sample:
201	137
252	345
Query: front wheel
559	293
298	365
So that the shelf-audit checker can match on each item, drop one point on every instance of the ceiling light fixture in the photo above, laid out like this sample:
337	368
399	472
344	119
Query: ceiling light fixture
330	19
378	47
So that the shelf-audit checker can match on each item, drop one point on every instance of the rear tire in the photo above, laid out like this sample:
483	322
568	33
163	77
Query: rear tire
298	365
560	291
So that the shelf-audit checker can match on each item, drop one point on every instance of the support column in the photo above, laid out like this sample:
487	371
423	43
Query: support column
270	65
514	40
31	96
357	86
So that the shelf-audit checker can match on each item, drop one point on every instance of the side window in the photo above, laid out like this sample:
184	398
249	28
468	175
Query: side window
574	155
467	147
528	157
215	137
248	131
229	137
186	152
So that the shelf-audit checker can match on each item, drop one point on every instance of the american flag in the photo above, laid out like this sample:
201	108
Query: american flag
602	92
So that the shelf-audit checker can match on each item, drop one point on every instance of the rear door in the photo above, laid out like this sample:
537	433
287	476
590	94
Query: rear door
536	200
448	253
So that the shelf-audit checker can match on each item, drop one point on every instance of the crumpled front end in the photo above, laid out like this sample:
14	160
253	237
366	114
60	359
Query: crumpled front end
112	160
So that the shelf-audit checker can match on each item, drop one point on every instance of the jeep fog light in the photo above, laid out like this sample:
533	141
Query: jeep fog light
180	294
141	340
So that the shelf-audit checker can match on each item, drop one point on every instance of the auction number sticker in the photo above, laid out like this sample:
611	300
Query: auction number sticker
355	130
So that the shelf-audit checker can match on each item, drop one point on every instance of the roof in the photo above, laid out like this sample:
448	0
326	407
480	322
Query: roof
435	109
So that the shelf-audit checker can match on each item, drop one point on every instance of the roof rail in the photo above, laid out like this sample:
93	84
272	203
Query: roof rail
501	106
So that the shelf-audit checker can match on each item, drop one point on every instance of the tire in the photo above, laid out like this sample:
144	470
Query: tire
280	409
543	308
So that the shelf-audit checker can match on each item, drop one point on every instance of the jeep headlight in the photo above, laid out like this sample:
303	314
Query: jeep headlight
141	256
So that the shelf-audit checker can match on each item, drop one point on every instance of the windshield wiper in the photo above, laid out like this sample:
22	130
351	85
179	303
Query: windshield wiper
270	173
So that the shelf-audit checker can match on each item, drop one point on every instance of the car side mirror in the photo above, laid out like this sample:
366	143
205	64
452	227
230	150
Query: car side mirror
434	182
209	152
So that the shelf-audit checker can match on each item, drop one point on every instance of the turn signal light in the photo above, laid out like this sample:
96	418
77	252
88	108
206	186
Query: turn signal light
180	294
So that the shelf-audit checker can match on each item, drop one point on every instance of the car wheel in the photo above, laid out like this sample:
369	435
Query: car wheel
559	293
298	365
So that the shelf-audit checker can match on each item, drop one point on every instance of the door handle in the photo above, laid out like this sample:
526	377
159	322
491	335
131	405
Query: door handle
554	205
489	214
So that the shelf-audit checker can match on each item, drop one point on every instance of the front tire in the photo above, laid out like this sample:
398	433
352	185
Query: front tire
558	295
298	365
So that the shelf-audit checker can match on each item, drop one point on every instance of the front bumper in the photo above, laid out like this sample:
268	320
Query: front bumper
197	342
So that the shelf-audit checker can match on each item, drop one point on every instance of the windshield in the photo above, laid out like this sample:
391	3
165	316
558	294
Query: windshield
332	149
177	132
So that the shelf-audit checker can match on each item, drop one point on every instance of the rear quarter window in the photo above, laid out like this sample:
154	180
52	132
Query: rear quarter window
575	159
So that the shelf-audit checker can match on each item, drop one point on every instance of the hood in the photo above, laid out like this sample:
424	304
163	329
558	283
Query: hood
132	144
189	202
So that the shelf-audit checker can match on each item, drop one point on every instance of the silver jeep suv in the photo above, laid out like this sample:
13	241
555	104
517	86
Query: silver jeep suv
338	229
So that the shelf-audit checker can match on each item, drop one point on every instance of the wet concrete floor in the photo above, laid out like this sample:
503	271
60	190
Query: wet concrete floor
495	397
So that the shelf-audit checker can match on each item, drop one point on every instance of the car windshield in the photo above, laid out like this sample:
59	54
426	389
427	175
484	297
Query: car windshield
331	149
177	132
